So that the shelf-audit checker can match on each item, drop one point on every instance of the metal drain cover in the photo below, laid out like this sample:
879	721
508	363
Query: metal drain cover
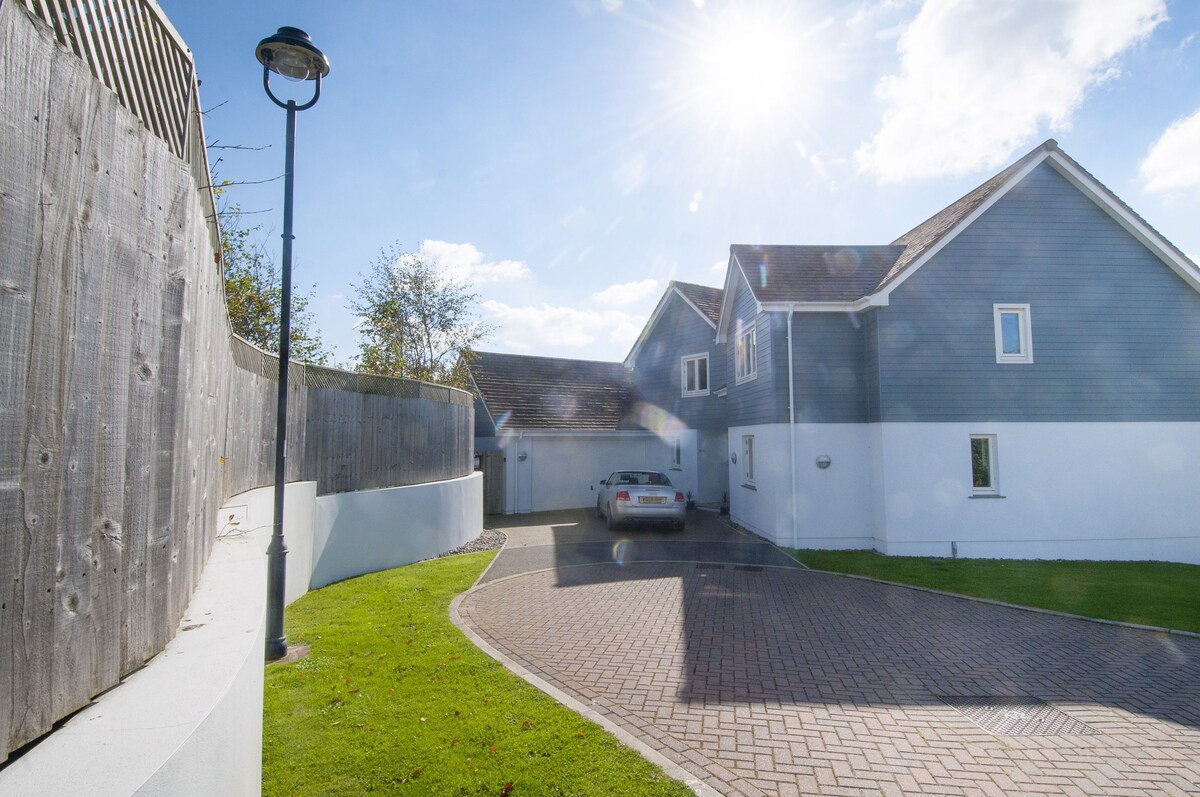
1016	716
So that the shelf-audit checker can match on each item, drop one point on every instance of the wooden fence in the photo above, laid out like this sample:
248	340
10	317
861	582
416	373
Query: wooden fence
128	412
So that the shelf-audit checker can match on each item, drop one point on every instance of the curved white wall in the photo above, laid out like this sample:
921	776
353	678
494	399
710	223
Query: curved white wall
370	530
190	721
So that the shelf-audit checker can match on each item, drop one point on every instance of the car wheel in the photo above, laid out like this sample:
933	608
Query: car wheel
612	522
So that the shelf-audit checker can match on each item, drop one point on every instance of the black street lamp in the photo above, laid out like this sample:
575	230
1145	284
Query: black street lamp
290	53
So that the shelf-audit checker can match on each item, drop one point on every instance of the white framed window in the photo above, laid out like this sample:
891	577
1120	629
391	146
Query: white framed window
1014	333
748	459
746	352
694	375
677	455
984	471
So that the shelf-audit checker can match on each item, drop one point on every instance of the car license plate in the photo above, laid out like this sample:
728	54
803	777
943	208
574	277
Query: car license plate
652	499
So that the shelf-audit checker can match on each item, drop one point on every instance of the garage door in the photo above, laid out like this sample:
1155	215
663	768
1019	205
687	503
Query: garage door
562	472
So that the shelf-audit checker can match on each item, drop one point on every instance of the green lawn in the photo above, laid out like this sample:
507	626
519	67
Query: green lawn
393	698
1151	593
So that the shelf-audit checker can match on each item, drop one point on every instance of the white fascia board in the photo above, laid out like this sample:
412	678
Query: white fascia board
631	358
817	307
479	395
1135	226
953	232
659	309
728	298
692	305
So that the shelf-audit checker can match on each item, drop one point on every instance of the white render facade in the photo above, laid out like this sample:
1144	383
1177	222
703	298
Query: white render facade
1125	492
1016	377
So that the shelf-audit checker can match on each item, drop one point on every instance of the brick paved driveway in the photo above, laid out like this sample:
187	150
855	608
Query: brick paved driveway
766	680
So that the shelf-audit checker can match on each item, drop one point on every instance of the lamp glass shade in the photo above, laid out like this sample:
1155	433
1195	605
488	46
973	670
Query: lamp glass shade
290	53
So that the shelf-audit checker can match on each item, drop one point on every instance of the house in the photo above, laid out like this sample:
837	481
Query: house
1017	376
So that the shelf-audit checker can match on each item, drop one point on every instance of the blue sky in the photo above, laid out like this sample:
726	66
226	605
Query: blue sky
570	158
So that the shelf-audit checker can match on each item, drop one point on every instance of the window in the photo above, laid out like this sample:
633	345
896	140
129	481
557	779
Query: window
983	464
695	375
1014	342
677	455
748	459
747	354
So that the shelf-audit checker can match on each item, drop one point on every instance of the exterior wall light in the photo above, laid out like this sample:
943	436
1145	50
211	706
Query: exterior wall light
291	54
824	461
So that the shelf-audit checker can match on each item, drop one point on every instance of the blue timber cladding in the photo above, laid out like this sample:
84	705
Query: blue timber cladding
758	400
870	336
829	371
680	331
483	422
1115	332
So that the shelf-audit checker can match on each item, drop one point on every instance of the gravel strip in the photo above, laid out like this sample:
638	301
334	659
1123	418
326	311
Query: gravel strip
490	539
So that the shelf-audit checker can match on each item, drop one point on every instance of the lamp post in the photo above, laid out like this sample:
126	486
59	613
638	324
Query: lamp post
291	54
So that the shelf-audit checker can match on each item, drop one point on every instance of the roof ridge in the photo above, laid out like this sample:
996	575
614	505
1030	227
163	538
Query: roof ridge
545	357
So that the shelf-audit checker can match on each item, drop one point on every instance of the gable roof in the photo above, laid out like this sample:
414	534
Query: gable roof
928	233
704	300
524	392
816	277
814	273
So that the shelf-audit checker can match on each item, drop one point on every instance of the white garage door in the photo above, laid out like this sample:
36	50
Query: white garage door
561	472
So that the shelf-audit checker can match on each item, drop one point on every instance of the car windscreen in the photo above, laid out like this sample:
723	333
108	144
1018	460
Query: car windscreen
643	477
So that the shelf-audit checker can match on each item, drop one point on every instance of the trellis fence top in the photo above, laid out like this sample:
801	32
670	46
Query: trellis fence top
132	48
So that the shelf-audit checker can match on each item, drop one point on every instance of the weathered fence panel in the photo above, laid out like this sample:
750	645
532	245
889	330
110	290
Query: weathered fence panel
128	412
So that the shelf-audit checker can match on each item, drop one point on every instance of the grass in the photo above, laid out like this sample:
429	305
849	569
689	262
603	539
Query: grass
1151	593
393	698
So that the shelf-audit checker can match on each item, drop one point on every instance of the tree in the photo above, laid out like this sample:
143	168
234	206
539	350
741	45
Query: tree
254	293
415	321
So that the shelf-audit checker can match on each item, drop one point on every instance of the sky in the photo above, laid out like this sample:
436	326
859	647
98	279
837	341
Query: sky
569	158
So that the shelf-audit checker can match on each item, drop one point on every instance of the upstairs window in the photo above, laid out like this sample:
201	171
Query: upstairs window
695	375
1014	340
746	352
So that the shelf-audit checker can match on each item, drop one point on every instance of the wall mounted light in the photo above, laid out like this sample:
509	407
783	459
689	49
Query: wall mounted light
824	461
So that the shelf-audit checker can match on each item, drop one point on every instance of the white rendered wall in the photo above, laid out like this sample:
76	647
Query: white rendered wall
371	530
190	721
1071	491
834	507
561	471
254	512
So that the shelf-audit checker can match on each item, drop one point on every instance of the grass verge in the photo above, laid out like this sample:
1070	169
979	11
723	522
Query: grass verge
393	698
1151	593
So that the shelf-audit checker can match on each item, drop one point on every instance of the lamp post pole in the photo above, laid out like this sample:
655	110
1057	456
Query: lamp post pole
290	53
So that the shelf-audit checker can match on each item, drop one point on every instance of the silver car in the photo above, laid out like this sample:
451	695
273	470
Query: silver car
640	495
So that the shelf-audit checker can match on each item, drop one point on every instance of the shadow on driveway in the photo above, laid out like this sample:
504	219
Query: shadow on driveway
778	680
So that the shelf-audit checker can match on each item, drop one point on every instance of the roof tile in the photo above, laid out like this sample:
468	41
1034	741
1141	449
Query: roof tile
524	392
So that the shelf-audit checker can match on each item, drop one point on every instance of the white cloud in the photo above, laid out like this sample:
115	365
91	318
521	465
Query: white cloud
627	293
465	262
540	326
978	78
719	267
1173	162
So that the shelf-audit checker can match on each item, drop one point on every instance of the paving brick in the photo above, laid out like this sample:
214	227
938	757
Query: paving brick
786	682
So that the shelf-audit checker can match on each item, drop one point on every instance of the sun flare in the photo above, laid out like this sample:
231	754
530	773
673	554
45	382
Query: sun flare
748	70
